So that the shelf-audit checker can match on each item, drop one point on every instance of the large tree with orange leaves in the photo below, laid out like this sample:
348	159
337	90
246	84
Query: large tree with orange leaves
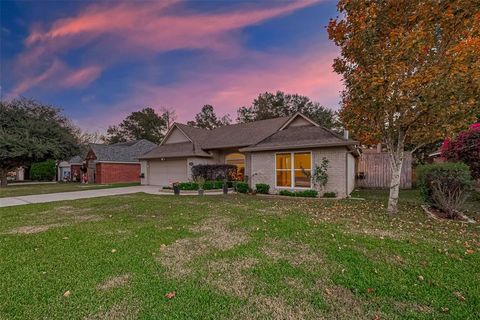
411	70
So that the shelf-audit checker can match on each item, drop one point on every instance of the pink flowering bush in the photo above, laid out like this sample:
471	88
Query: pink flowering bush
465	148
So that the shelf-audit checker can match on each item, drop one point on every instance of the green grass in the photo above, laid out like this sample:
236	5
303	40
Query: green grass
235	257
28	189
471	207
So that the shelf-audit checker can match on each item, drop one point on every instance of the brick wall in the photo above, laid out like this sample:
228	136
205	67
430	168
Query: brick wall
263	168
117	172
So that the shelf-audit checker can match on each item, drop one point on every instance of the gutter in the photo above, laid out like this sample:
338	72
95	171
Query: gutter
298	146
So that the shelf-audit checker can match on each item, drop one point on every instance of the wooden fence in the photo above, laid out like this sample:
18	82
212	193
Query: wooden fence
373	171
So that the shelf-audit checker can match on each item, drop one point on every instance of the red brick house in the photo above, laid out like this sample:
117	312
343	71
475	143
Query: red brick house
116	162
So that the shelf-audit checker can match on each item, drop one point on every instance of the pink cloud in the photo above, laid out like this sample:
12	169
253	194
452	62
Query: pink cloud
309	74
137	28
58	75
150	24
82	77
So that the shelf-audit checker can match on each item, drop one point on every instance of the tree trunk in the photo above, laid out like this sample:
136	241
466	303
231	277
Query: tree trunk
396	150
394	186
3	178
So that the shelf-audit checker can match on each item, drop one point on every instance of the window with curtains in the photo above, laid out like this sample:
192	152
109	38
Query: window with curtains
293	169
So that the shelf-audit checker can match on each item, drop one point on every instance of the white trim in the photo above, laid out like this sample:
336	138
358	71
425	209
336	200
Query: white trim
294	117
292	169
169	132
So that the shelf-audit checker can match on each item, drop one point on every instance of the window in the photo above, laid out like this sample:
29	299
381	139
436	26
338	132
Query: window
284	171
238	160
293	169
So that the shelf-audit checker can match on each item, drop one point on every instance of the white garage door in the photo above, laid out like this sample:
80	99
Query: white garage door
164	173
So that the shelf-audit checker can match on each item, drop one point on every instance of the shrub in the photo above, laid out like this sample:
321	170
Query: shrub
306	193
44	171
242	187
200	182
445	186
215	172
187	185
262	188
320	175
330	195
207	185
286	193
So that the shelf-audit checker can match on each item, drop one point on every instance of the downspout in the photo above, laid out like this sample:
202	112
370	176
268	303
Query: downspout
346	174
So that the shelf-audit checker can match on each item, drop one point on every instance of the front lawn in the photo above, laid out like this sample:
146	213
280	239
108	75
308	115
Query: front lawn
234	257
412	196
28	189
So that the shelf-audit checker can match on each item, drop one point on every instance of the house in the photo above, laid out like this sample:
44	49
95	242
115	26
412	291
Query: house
116	162
280	152
69	170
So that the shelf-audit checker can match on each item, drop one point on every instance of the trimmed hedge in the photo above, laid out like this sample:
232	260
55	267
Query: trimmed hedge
215	172
242	187
208	185
330	195
262	188
43	171
187	185
306	193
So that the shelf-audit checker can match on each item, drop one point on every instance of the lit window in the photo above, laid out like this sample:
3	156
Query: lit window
237	159
293	169
284	171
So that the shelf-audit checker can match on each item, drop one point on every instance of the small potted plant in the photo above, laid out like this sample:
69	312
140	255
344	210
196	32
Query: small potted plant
176	189
200	181
225	187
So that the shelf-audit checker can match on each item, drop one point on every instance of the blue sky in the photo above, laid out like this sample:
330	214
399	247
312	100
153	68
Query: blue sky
100	60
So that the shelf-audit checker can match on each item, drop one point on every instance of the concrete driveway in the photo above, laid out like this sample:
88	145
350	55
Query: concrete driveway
74	195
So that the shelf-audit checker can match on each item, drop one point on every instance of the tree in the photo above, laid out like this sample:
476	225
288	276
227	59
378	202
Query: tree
411	71
169	115
207	119
143	124
32	132
465	147
268	105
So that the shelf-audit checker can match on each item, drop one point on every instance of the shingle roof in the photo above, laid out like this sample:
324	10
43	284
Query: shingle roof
242	134
122	152
298	137
253	136
175	150
75	160
235	135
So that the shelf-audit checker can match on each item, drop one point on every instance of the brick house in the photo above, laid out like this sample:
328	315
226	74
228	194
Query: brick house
116	162
281	152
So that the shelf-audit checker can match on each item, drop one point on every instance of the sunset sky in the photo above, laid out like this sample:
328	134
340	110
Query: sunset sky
101	60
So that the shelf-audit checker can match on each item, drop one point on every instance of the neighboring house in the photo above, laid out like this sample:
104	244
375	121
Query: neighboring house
280	152
116	162
16	175
69	170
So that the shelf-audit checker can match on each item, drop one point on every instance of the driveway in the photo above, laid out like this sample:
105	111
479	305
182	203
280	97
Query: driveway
74	195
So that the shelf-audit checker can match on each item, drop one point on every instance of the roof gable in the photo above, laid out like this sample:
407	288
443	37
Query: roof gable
175	135
299	120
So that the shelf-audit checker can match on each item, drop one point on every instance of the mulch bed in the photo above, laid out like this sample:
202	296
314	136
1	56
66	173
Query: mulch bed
440	215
